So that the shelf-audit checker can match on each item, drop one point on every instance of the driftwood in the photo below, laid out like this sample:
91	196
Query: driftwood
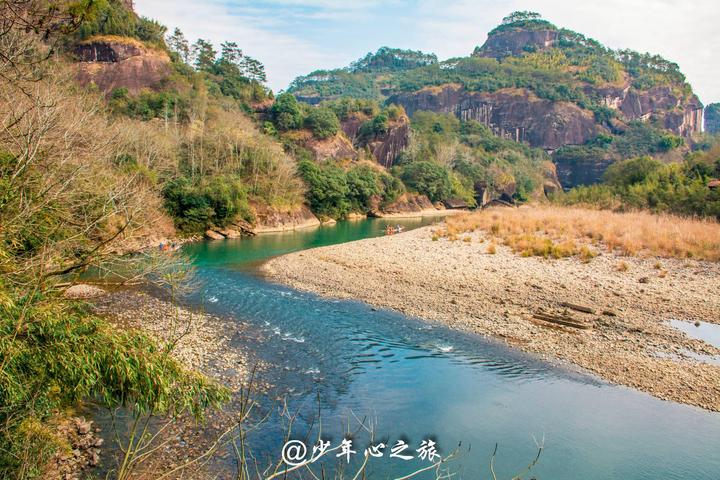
565	321
579	308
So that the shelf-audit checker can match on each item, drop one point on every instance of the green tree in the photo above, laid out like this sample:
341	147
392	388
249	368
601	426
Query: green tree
180	45
363	184
286	112
327	190
323	122
629	172
427	178
204	55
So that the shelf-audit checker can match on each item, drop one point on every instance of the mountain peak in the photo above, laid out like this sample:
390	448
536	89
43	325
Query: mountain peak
519	33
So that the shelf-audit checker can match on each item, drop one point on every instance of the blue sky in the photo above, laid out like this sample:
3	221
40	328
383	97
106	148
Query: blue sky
294	37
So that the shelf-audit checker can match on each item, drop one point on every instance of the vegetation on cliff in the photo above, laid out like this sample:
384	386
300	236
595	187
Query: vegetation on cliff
449	158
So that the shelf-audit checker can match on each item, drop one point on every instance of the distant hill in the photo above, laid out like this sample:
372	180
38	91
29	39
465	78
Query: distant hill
531	82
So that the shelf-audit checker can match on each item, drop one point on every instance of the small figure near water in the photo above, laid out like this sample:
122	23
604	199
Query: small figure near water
390	230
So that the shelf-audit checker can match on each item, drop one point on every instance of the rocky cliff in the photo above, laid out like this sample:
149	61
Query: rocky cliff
384	147
112	62
520	115
516	42
514	114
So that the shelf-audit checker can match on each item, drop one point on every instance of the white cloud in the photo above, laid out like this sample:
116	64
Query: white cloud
285	55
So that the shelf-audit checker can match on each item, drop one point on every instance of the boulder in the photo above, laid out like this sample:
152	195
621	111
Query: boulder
455	203
230	233
270	219
213	235
245	228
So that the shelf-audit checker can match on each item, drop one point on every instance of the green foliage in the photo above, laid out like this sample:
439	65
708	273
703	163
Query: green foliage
643	183
149	104
286	112
54	354
392	59
214	202
630	172
334	192
328	191
478	159
323	122
639	139
364	184
427	178
523	20
111	17
345	106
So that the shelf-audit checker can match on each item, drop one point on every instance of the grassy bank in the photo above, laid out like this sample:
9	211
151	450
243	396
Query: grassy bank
563	231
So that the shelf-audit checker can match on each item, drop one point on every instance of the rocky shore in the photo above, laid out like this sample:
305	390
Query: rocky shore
203	343
627	302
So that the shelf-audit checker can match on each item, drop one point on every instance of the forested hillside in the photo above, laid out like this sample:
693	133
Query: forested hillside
539	84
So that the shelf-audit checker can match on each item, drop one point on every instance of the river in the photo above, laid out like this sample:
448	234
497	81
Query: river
417	380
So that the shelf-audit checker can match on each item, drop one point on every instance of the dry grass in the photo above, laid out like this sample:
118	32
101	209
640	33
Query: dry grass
553	231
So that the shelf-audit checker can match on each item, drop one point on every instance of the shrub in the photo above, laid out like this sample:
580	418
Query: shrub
65	355
630	172
363	184
286	112
428	178
327	189
323	122
196	206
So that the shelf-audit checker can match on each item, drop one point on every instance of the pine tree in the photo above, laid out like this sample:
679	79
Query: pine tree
204	55
179	44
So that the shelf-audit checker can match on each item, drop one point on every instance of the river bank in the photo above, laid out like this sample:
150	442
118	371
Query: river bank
462	285
201	342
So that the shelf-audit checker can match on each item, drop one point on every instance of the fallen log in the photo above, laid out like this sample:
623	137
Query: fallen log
578	308
564	321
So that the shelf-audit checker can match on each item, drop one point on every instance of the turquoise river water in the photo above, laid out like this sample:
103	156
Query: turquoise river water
416	380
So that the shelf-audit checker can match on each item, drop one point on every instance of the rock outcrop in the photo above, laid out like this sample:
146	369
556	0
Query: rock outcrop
112	62
661	104
516	42
520	115
269	219
515	114
384	147
408	205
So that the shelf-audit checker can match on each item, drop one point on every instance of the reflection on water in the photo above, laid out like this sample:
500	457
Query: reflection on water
420	380
707	332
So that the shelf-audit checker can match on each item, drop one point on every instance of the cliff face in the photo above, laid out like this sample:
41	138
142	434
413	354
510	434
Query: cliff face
384	147
521	116
517	42
677	114
114	62
515	114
